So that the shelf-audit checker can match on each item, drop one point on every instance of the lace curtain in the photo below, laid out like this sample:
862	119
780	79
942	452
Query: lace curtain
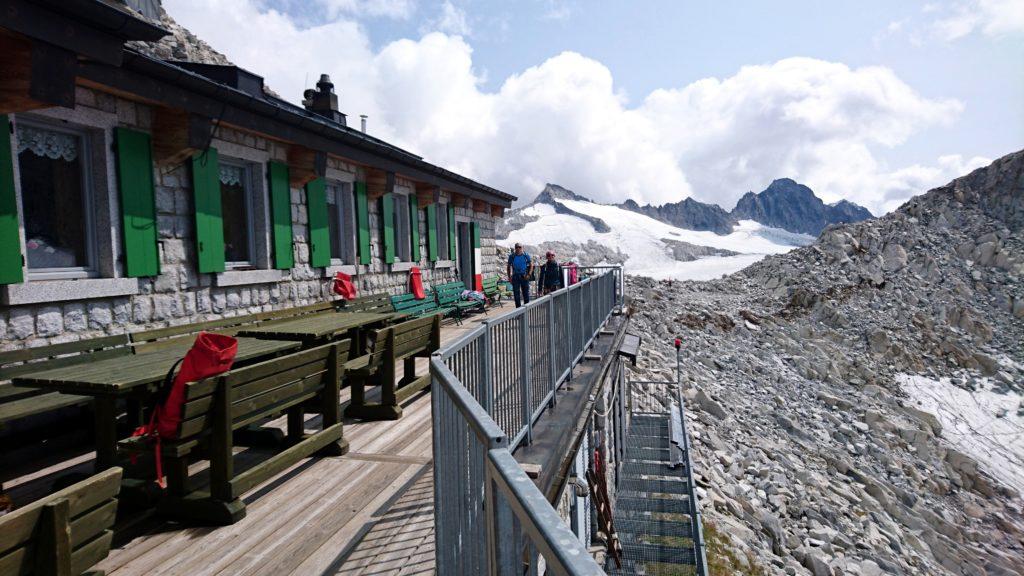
231	175
47	143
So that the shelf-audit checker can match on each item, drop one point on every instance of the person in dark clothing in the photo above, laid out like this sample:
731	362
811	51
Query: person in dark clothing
520	268
550	278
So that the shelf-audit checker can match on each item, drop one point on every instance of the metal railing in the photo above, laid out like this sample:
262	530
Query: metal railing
489	388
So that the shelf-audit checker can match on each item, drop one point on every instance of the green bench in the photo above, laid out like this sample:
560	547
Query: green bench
17	402
64	534
493	290
409	305
406	341
374	304
449	296
217	406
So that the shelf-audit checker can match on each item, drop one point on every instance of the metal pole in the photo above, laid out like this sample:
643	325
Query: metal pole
552	369
524	372
486	392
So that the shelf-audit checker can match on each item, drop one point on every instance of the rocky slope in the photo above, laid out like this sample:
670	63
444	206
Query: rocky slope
784	204
809	378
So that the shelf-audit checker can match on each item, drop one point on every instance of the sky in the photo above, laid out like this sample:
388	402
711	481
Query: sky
871	101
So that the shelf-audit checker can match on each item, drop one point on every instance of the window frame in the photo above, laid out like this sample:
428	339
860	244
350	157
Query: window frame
249	186
443	254
346	210
82	133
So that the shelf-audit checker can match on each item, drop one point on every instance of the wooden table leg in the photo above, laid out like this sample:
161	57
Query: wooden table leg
105	409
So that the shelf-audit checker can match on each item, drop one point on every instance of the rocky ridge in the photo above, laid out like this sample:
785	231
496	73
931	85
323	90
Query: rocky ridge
811	456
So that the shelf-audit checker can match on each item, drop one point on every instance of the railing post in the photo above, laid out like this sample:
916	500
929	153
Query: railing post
486	388
524	373
552	369
501	549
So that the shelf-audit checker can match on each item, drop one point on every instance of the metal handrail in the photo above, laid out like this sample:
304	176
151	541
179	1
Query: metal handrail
484	406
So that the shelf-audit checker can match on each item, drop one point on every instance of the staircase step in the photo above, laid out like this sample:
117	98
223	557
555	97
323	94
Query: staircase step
648	442
653	505
638	526
649	486
633	468
663	554
660	454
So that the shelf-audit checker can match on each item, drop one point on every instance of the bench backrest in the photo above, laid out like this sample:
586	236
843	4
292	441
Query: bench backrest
490	285
449	293
16	363
261	389
375	303
421	336
63	534
409	304
231	325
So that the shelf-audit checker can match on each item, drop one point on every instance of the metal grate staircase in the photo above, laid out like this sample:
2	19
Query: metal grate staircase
657	518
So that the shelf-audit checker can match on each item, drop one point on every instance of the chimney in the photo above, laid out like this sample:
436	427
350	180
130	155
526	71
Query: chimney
323	100
362	121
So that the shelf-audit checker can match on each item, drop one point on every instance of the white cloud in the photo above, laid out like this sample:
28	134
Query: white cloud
451	20
990	17
400	9
565	121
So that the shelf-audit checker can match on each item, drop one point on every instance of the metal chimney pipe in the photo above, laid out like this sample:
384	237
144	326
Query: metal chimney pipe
362	121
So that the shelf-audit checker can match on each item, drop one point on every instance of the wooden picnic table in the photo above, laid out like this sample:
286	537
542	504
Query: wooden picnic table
320	326
133	378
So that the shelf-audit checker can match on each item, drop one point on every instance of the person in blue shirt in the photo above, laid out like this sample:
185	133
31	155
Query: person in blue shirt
519	269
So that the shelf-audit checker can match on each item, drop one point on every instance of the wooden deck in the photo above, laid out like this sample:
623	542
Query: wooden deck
368	512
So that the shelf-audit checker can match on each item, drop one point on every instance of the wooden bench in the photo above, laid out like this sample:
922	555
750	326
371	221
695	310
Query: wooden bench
450	296
407	341
408	304
493	290
17	402
376	303
64	534
217	406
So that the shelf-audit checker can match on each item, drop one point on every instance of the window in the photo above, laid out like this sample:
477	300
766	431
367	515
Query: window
341	223
237	215
442	232
56	201
403	243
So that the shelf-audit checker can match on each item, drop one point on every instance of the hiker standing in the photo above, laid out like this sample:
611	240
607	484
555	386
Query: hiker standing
550	278
520	268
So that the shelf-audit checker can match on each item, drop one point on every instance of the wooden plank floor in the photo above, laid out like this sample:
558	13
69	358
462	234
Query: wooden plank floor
368	512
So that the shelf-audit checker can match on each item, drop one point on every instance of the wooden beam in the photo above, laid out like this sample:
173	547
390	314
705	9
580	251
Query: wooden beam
479	205
459	200
305	165
427	194
379	183
497	211
177	135
16	79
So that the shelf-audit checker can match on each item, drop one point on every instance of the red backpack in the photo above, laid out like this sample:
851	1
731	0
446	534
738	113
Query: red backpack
211	354
416	283
344	287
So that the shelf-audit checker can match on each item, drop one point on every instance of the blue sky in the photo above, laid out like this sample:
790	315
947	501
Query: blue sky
872	101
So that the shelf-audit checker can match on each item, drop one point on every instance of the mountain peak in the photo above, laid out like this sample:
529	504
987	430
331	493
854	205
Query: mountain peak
787	204
552	192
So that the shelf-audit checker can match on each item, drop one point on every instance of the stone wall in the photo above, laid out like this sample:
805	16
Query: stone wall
180	294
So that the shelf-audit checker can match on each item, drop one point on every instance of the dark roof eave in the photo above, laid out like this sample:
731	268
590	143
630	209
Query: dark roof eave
110	19
174	77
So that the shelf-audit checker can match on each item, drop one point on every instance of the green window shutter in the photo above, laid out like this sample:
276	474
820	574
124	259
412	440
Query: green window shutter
387	219
281	215
209	226
452	248
414	227
432	232
138	207
319	234
363	224
11	265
